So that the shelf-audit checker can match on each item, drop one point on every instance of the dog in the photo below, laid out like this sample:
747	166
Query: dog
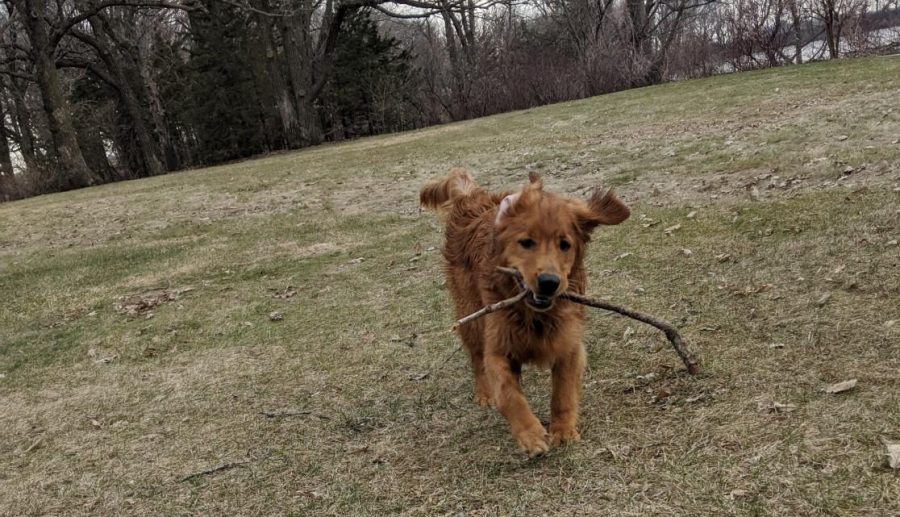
544	237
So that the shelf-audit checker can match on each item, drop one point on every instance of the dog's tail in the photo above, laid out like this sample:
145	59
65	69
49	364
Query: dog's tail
439	195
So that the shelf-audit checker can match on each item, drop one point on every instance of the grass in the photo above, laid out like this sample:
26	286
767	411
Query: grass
104	412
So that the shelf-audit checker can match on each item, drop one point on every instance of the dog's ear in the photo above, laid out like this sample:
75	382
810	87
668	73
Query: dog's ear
604	207
511	203
506	207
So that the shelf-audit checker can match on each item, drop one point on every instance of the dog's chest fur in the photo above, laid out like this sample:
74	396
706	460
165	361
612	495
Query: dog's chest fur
540	338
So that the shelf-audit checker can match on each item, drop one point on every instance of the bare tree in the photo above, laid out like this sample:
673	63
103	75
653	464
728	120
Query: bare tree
835	15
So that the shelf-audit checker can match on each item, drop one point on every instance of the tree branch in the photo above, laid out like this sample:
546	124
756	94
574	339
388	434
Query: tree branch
494	307
67	25
672	334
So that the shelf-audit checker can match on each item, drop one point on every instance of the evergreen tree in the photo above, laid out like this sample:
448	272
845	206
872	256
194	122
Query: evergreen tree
370	84
222	105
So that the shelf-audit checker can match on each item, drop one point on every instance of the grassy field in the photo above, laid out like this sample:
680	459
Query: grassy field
137	349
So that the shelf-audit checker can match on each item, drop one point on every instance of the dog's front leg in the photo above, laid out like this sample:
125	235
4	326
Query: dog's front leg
530	435
567	373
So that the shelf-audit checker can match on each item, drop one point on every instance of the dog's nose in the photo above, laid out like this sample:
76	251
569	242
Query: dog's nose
547	284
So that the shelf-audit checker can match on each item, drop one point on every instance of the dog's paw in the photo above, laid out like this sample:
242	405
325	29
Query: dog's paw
482	399
533	442
563	434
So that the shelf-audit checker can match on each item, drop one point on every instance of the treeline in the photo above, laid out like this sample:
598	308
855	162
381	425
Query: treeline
94	91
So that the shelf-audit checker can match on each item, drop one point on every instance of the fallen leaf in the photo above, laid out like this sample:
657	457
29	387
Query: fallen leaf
623	255
888	324
106	360
142	304
360	450
687	252
662	395
284	294
357	260
628	333
35	445
772	406
823	299
737	492
892	456
724	257
776	345
691	214
841	138
418	376
754	194
647	378
673	228
841	386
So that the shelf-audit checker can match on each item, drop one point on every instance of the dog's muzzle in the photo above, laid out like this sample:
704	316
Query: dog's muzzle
538	302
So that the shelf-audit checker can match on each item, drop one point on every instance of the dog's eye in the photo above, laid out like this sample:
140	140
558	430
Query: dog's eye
564	245
526	243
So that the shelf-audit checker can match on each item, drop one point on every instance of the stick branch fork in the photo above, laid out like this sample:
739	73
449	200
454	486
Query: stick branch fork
672	334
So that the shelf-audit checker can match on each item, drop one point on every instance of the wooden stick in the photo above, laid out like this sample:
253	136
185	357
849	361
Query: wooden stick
690	362
219	468
284	414
502	304
672	334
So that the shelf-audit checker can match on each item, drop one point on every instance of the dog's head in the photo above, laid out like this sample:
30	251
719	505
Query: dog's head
543	236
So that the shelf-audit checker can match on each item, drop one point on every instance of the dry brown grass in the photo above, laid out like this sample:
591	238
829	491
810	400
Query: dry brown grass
103	413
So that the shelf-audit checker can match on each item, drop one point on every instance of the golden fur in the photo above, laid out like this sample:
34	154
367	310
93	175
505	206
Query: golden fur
537	233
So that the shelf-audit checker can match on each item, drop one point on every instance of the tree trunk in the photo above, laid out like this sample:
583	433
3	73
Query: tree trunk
7	180
128	95
91	143
831	21
6	166
72	170
461	108
282	98
23	122
160	128
798	30
265	88
298	55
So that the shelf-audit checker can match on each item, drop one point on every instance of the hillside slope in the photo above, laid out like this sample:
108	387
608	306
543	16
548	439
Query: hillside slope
137	348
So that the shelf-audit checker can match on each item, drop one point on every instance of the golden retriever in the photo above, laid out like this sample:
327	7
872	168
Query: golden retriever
544	236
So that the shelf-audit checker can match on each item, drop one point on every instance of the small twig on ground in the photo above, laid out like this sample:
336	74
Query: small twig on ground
218	468
502	304
284	414
690	362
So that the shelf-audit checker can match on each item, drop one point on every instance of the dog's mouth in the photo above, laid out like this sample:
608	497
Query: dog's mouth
538	303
